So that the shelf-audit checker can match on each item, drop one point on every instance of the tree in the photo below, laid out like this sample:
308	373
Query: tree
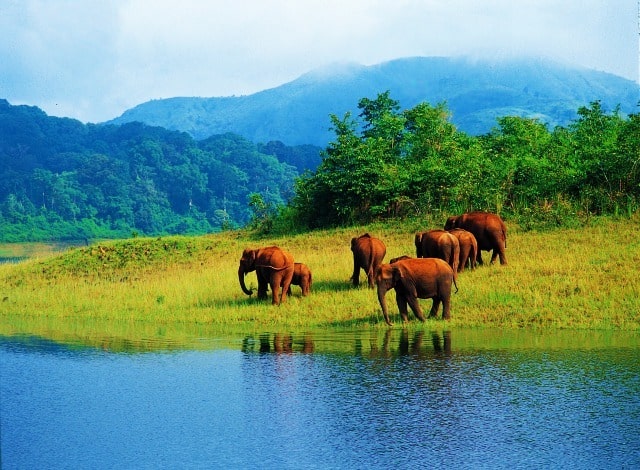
595	137
518	149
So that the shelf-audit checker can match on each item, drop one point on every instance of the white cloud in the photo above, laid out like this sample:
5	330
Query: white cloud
92	59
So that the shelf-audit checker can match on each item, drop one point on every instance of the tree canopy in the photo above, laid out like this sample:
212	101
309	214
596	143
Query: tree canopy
394	163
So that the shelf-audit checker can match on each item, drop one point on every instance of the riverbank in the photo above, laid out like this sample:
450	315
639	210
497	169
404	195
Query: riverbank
587	278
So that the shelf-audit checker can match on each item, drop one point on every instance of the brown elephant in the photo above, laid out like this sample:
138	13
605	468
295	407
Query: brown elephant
468	247
413	279
438	244
393	260
273	266
489	230
368	253
301	277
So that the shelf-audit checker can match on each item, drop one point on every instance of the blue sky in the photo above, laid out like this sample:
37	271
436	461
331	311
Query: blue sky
93	59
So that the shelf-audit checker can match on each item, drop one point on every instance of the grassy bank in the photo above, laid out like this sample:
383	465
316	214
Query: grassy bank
586	278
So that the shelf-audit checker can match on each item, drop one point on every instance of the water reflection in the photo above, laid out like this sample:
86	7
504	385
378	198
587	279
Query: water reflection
393	343
402	398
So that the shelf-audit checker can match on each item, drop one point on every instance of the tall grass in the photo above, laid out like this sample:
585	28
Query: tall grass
586	278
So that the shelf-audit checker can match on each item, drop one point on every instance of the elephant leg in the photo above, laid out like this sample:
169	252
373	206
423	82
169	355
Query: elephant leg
401	300
464	258
446	308
285	279
415	308
355	278
371	279
434	308
263	283
275	291
479	257
498	252
503	256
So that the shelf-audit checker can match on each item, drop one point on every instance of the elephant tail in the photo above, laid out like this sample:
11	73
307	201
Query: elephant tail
455	283
268	266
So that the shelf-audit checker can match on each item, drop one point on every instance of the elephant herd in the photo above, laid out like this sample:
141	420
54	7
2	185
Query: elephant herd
440	255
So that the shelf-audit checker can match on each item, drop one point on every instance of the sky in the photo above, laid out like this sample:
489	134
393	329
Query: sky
94	59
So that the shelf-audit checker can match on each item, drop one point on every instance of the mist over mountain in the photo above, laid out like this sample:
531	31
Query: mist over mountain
476	92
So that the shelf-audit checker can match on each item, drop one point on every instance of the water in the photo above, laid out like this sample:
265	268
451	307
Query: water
326	400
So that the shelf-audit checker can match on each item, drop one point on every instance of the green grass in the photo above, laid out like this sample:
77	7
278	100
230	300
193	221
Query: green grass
586	278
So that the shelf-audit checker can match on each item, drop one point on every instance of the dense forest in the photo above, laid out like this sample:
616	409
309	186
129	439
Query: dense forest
61	179
388	163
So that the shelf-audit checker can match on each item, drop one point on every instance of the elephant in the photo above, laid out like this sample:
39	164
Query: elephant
301	277
438	244
468	247
368	253
273	266
489	230
413	279
393	260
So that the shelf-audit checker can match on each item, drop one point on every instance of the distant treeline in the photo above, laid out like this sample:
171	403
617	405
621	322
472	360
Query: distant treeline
388	163
61	179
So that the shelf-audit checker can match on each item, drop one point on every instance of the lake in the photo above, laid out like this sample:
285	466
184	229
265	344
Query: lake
330	399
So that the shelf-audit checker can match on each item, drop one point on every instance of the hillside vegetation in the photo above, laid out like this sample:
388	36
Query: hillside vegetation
61	179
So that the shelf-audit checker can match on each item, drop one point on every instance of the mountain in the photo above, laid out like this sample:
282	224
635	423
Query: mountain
476	92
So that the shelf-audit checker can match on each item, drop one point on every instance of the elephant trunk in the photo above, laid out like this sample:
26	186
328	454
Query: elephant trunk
383	304
241	274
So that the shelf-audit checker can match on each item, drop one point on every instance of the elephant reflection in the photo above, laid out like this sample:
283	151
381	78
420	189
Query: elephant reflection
279	343
412	346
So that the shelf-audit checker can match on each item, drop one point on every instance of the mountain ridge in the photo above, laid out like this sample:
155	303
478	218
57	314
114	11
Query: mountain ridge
476	93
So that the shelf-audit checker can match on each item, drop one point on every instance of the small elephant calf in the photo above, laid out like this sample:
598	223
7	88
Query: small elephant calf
302	278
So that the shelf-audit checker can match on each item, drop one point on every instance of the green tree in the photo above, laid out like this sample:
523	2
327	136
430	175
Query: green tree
434	156
518	149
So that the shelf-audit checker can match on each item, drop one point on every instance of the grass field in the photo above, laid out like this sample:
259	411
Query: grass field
586	278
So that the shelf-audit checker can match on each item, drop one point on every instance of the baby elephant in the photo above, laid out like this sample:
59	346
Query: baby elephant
302	278
413	279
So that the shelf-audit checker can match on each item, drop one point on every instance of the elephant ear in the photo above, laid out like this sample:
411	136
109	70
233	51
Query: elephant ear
403	276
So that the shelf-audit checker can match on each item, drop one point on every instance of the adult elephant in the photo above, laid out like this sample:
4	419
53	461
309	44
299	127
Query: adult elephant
438	244
489	230
413	279
301	277
468	247
368	253
273	266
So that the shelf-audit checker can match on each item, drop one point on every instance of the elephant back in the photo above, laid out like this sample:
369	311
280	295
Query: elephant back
486	227
274	257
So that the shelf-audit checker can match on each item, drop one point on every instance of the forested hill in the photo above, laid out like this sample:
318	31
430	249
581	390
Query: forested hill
60	178
476	93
